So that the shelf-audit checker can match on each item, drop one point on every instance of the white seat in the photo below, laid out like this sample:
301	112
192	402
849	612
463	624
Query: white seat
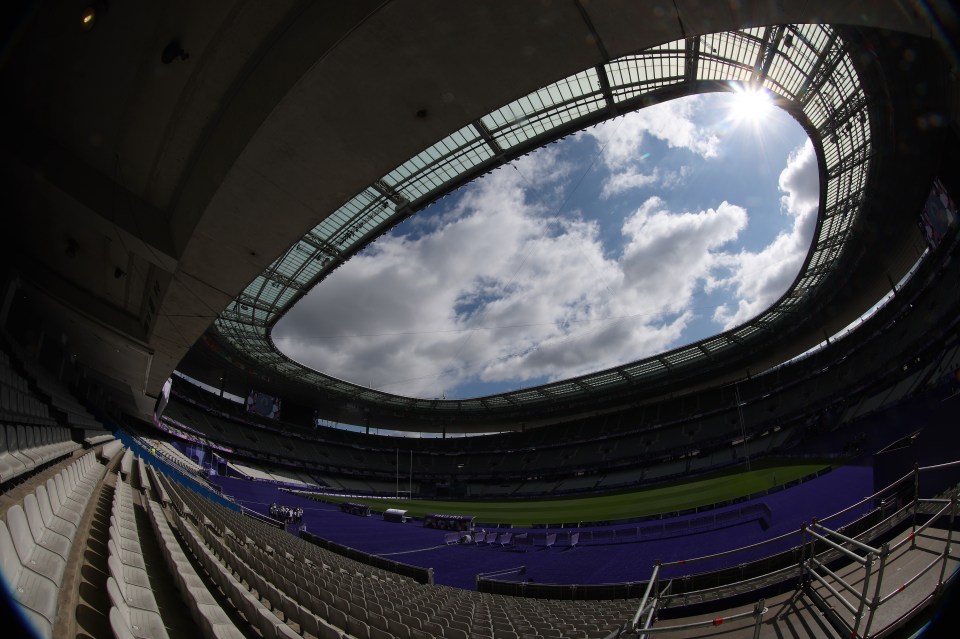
143	624
119	625
125	557
50	520
32	555
49	539
14	444
67	498
10	466
128	574
134	596
36	594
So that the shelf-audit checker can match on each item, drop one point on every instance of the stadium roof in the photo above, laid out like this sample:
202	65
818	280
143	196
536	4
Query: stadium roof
808	68
158	161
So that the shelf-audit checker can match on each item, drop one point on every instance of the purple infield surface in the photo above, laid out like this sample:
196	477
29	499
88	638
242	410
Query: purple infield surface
615	553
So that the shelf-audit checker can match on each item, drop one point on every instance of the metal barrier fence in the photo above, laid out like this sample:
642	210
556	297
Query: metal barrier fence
822	555
874	561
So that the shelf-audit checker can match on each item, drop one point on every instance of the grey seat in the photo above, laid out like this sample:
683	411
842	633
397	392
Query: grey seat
119	625
126	464
27	446
142	624
31	554
125	557
50	520
61	508
49	539
36	594
67	497
10	465
398	629
128	574
15	443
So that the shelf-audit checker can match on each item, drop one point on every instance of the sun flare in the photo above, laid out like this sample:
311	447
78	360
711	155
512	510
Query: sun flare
750	104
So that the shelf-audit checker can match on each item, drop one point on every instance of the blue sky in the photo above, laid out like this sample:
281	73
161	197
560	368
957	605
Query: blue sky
644	233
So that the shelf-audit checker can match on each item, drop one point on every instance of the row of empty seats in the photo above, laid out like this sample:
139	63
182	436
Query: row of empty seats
169	453
17	401
133	611
16	405
213	621
60	397
36	541
111	450
24	449
95	437
126	464
284	476
241	596
303	583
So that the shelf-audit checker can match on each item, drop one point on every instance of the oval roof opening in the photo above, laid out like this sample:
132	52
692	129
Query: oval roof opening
780	60
637	235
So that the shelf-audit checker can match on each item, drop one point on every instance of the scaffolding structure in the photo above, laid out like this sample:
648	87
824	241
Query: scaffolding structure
847	577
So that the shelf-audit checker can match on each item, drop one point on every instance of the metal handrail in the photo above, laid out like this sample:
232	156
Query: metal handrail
841	580
846	604
921	528
759	610
908	582
850	540
646	594
809	566
849	553
682	562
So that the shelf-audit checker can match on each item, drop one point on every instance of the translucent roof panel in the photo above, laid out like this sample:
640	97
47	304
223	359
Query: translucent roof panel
806	65
546	109
635	75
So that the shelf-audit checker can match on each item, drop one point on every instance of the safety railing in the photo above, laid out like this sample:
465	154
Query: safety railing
815	571
826	552
860	602
642	623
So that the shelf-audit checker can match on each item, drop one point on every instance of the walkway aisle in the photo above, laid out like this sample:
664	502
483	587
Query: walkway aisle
86	616
173	610
89	598
246	627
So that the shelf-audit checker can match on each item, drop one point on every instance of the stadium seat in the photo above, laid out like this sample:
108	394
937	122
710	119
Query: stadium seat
43	536
142	623
10	465
36	594
15	444
51	520
31	554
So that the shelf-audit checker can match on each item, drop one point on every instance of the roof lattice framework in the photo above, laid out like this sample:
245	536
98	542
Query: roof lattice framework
809	69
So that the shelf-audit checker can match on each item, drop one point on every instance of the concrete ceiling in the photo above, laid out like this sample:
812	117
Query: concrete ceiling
147	192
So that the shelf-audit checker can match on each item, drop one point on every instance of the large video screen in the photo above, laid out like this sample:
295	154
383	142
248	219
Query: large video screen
939	214
263	404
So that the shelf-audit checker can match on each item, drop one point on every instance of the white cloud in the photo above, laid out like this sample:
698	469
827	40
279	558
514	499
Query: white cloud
675	122
759	279
499	291
627	180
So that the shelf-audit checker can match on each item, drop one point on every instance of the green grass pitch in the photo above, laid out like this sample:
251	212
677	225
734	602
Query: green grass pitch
650	501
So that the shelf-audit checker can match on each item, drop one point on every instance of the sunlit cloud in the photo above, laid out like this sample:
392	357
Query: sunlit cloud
502	293
759	278
675	122
508	284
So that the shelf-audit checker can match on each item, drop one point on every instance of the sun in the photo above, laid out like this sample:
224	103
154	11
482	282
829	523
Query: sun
750	104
